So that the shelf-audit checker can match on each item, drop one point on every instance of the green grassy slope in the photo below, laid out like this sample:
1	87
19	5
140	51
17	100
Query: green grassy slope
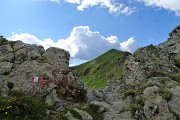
97	72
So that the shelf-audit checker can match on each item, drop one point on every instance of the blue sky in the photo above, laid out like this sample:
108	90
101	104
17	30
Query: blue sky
88	28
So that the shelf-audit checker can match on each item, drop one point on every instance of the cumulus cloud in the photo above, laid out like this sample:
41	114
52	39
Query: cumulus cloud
83	44
129	45
25	37
172	5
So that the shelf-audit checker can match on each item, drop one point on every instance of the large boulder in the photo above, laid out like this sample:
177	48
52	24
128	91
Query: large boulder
32	69
6	53
155	107
5	68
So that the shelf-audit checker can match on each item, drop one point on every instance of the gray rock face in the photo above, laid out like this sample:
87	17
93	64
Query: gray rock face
149	88
155	107
112	102
155	70
70	116
5	68
6	53
20	62
84	114
54	54
174	103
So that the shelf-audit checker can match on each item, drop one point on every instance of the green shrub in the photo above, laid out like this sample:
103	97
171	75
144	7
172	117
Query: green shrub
140	100
93	110
166	93
17	94
175	77
59	116
82	96
128	92
133	108
132	92
175	114
63	117
22	107
76	114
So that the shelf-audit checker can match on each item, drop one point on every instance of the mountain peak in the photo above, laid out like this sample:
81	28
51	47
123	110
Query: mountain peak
175	31
103	67
113	50
172	45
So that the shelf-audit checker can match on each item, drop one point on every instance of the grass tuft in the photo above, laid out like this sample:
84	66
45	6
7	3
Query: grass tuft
76	114
133	108
175	77
166	93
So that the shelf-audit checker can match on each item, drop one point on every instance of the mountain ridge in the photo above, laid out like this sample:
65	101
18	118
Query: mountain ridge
102	68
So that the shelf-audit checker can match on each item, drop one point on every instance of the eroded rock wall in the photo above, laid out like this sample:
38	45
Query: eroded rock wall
19	62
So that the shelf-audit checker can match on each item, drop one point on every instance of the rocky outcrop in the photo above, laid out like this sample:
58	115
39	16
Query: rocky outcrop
155	107
21	64
153	73
149	89
174	103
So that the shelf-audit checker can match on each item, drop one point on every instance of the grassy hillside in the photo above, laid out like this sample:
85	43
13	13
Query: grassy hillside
96	73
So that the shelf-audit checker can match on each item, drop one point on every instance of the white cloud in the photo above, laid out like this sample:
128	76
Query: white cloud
118	6
112	5
130	45
83	44
76	61
172	5
55	1
73	1
25	37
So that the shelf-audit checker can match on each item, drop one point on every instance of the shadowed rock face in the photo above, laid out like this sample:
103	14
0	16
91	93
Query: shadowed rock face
20	61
